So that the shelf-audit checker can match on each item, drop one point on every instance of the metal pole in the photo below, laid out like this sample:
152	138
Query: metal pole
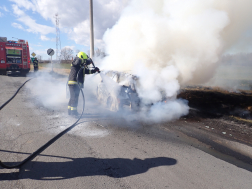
91	30
51	63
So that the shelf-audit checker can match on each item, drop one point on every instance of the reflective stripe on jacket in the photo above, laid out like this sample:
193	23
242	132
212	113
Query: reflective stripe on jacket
75	68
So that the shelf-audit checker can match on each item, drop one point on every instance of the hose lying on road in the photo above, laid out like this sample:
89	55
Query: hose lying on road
42	148
1	107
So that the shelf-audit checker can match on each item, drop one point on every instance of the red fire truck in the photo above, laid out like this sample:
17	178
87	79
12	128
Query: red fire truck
14	56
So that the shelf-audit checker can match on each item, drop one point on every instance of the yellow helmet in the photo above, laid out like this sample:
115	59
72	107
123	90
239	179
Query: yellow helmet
82	55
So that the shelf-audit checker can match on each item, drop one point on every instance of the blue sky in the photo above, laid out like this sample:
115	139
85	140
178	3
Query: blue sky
34	21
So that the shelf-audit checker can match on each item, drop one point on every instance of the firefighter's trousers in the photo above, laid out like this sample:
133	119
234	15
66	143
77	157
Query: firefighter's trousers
73	101
35	67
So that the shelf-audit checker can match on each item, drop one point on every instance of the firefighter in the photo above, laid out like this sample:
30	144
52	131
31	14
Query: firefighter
81	61
35	64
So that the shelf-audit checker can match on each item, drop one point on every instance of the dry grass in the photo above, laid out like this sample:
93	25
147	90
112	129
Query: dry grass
216	89
241	119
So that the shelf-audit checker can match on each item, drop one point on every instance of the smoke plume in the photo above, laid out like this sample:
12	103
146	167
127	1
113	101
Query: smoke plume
169	43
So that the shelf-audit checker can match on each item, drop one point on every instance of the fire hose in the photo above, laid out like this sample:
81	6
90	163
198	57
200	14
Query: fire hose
42	148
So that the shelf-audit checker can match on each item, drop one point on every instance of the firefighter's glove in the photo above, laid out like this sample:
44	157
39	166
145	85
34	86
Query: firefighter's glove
97	69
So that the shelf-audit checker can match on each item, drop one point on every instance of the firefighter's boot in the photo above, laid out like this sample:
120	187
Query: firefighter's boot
69	110
74	113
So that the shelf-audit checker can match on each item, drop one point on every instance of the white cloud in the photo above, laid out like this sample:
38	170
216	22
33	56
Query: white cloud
5	9
74	16
80	33
106	13
44	38
25	4
69	47
16	25
36	45
31	23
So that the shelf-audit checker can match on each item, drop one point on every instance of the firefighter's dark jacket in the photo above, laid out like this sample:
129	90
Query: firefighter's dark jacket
35	62
75	67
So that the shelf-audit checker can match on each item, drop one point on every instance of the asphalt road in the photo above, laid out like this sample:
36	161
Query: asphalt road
104	150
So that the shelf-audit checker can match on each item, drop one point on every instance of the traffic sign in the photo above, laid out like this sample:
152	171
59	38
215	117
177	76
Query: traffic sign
33	54
50	52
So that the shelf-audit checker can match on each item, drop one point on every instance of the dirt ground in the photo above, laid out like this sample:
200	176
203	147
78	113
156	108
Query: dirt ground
228	114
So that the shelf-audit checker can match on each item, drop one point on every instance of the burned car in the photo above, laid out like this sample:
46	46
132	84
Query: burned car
117	91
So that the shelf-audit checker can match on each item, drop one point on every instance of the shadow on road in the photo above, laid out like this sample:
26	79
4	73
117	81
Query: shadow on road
81	167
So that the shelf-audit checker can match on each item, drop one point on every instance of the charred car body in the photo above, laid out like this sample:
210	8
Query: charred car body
117	90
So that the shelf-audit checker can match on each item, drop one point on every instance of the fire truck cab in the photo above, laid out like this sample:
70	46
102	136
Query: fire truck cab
14	56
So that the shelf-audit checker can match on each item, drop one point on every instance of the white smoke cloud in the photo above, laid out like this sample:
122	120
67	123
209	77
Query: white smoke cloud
49	91
167	111
168	43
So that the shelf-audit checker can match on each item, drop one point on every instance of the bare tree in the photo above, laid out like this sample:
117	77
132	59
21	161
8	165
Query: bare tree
66	54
